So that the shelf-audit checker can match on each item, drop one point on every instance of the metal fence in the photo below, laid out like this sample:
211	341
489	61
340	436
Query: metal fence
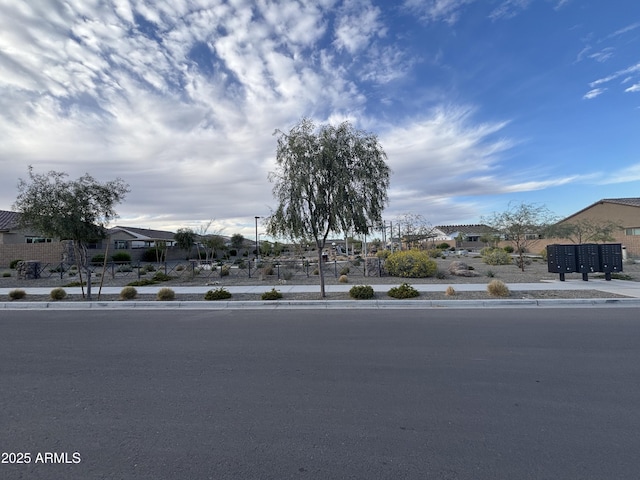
190	269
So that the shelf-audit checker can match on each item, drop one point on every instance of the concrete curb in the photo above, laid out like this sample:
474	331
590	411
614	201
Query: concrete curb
324	304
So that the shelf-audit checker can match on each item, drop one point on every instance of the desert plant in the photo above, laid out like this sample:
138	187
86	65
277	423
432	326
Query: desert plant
344	271
496	256
161	277
450	291
497	288
272	294
6	274
508	249
403	291
490	274
443	246
343	279
361	292
128	293
121	257
267	269
14	263
217	294
125	269
99	258
165	294
286	274
58	294
17	294
411	263
440	274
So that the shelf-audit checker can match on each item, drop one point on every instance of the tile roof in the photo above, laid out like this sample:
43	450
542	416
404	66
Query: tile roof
465	229
8	220
145	233
632	202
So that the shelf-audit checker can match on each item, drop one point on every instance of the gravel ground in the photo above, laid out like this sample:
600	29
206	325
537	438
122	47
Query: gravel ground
510	274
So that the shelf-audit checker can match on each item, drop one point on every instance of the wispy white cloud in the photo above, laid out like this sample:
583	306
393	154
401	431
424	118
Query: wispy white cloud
624	175
633	88
448	11
596	92
509	9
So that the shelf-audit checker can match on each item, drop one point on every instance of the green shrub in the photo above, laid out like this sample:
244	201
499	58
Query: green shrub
17	294
217	294
128	293
496	256
508	249
490	274
403	291
161	277
14	263
6	274
411	263
344	271
153	255
361	292
543	254
121	257
267	270
443	246
272	294
165	294
441	274
497	288
434	253
125	269
99	258
383	253
58	294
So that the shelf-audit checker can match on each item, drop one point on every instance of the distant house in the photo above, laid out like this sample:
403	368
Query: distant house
19	243
131	238
624	211
467	236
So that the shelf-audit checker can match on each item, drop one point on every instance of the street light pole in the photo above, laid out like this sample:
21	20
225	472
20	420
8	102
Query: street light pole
257	245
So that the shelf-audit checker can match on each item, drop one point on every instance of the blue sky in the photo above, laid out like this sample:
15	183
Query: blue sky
477	103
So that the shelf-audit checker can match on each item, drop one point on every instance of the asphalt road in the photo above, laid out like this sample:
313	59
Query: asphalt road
360	394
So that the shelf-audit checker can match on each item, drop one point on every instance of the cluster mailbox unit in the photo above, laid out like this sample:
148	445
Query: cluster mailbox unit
585	258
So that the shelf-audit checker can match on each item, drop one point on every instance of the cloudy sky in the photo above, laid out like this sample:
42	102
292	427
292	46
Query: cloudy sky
477	103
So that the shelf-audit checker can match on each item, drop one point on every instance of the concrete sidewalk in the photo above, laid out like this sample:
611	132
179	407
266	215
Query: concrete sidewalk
620	287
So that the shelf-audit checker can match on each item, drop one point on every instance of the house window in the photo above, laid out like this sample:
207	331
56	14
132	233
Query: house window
632	231
38	240
121	244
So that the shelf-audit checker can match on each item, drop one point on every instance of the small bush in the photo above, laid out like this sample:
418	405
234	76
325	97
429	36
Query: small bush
161	277
361	292
128	293
121	257
153	255
217	294
14	263
443	246
450	291
17	294
490	274
272	294
440	274
344	271
165	294
434	253
497	288
287	274
509	249
58	294
99	258
411	263
6	274
403	291
383	253
125	269
225	270
267	270
496	256
343	279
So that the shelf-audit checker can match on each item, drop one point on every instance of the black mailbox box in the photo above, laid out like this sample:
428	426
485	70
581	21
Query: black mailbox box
561	259
610	257
585	258
588	257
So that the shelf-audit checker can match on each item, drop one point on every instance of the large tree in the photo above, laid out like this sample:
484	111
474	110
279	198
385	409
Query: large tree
328	179
77	210
521	224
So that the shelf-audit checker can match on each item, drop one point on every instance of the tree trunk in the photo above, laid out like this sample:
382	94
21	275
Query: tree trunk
320	268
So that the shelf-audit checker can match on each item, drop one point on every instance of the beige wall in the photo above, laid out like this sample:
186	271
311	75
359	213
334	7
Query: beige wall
43	252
